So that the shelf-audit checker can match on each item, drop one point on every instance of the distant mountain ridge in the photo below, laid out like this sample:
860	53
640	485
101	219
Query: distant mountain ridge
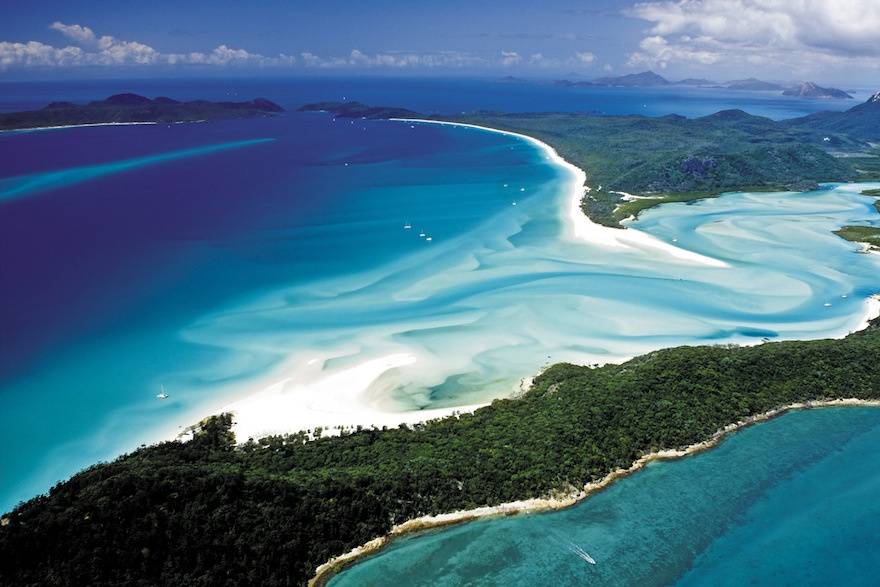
127	108
861	121
647	79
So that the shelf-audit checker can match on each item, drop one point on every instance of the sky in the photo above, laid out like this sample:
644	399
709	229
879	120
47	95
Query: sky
828	41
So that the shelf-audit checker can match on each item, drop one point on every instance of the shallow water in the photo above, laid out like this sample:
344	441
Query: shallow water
135	257
787	502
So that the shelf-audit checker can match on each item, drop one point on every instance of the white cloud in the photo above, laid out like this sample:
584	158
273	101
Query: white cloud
88	48
107	50
510	58
656	50
393	59
585	57
80	34
787	33
34	53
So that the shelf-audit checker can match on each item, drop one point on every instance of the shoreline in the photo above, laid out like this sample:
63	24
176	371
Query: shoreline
326	571
267	409
579	226
331	402
83	125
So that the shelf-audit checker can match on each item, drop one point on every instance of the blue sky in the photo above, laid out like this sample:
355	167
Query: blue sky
822	40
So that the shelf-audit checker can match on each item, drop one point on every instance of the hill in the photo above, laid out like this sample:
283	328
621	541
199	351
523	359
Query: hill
673	158
861	121
811	90
121	108
632	80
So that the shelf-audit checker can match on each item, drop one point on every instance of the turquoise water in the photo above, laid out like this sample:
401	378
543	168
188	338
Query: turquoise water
223	259
284	265
787	502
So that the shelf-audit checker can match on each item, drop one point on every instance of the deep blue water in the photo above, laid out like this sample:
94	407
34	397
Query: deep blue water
787	502
220	259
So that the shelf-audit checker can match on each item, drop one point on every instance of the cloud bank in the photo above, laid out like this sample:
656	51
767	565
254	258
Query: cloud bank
91	49
781	33
87	48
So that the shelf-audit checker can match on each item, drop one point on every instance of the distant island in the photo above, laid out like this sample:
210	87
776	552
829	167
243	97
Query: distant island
354	109
648	79
811	90
633	80
753	85
133	108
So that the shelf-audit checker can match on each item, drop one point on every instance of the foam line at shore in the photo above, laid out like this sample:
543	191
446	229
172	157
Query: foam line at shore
84	125
326	571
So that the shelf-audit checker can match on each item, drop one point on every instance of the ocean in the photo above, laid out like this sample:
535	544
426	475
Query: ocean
791	501
256	258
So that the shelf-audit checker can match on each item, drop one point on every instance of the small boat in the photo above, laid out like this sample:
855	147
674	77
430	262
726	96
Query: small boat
827	304
162	395
429	238
422	234
582	554
407	226
522	189
514	203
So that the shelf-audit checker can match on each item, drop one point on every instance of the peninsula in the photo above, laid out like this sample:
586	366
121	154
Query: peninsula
133	108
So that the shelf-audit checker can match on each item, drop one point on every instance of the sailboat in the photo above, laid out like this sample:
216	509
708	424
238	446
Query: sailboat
162	395
407	226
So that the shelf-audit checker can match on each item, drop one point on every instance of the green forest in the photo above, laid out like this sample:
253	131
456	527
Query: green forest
210	512
677	159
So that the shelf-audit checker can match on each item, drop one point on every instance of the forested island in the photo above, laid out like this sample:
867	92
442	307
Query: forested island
268	512
130	108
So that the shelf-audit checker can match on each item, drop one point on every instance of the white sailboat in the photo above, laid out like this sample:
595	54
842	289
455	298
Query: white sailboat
162	395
